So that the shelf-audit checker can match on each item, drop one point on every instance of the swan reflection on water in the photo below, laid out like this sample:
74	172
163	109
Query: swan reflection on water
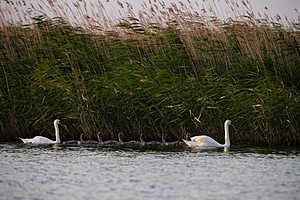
226	149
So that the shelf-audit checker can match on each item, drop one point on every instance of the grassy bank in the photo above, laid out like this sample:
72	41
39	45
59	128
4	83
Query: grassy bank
151	78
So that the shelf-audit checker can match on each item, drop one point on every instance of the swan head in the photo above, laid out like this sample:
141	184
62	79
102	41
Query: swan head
57	121
228	122
99	136
188	136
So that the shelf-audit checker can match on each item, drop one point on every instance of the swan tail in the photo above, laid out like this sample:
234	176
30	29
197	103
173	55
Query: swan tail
24	140
187	142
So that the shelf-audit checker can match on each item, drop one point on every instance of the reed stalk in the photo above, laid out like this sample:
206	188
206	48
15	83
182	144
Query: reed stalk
166	71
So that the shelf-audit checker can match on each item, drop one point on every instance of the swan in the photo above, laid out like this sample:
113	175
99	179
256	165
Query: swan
154	143
82	141
142	142
99	137
114	142
73	141
204	141
169	144
44	140
120	139
135	143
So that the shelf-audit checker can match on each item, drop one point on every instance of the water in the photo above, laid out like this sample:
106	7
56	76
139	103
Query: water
49	172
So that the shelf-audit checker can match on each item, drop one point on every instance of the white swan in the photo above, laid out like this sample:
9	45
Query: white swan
44	140
204	141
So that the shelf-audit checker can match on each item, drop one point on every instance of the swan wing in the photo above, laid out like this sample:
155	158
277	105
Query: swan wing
38	140
190	143
26	140
205	141
42	140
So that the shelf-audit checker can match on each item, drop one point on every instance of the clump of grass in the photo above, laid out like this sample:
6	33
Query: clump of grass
170	73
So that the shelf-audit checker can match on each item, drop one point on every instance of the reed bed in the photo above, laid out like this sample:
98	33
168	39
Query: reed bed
167	70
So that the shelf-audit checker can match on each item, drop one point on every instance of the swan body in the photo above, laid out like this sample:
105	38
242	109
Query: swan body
89	142
204	141
44	140
71	142
154	143
110	142
134	143
169	144
131	143
82	141
114	142
174	144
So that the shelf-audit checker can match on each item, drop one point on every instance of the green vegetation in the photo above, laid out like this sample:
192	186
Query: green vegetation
151	78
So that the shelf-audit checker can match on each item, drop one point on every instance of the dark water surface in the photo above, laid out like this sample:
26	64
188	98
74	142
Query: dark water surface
64	172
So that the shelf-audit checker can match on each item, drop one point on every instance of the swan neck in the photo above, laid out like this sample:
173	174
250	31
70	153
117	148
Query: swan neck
81	138
142	141
57	140
119	138
100	139
163	139
227	139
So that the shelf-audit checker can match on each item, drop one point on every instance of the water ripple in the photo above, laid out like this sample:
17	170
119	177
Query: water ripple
59	172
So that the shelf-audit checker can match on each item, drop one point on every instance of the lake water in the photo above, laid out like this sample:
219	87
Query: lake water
65	172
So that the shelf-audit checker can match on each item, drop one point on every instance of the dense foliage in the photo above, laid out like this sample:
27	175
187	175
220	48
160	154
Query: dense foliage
148	79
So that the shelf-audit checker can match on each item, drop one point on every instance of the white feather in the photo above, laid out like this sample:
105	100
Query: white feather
204	141
44	140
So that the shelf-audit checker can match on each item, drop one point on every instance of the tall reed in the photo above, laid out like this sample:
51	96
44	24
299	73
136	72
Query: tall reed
172	72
